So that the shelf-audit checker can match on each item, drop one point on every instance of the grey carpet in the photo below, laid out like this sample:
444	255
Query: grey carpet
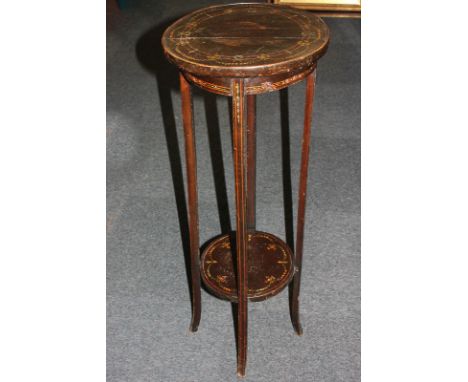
148	301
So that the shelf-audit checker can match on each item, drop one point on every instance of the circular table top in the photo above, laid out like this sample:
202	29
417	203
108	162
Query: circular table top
245	40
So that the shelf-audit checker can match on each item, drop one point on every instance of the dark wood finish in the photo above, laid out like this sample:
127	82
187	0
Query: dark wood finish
245	40
269	266
255	85
242	50
239	146
251	161
310	88
191	160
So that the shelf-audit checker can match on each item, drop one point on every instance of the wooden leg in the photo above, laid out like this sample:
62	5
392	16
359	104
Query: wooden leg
310	87
239	140
191	159
251	161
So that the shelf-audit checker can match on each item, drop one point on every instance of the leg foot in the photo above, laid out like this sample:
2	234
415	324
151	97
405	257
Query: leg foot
294	310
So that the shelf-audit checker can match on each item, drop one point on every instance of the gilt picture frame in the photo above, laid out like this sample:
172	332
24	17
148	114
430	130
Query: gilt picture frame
333	8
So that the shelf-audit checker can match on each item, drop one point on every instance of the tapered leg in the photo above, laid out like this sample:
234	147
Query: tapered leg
239	143
310	87
191	159
251	161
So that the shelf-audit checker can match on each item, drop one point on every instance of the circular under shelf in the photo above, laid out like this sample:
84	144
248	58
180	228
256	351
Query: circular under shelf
269	266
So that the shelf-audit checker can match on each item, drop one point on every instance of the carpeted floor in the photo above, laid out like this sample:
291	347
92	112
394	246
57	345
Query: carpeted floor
148	302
